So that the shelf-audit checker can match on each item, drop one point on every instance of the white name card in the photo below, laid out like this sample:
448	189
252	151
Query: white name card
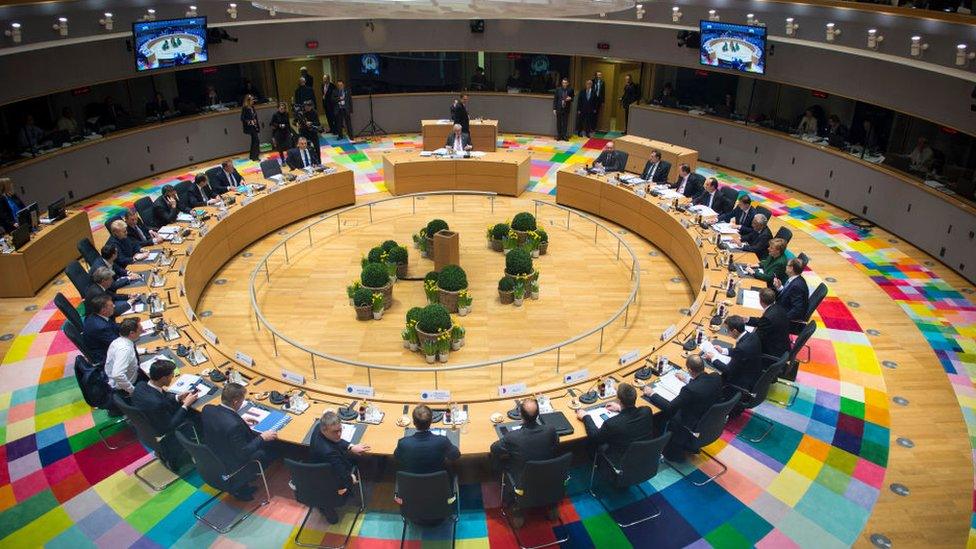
246	200
189	313
291	376
435	395
182	269
209	336
204	230
221	215
360	390
511	389
189	250
627	357
182	289
247	360
669	333
578	375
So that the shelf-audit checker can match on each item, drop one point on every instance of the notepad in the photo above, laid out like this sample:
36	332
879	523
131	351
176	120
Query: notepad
600	415
151	256
668	386
348	432
183	383
184	218
750	298
267	419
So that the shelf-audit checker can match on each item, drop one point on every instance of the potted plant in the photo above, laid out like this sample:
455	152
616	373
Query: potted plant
457	337
388	245
464	300
429	349
391	268
375	255
363	302
376	279
378	307
543	241
498	234
518	265
399	257
405	335
522	224
422	245
534	287
505	288
510	242
433	227
518	293
451	280
432	320
433	294
413	315
532	241
351	290
444	345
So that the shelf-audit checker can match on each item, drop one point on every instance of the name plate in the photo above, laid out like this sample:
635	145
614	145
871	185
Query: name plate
578	375
627	357
182	289
182	269
511	389
221	215
189	313
246	200
244	358
291	376
435	395
360	390
209	336
189	249
204	230
669	333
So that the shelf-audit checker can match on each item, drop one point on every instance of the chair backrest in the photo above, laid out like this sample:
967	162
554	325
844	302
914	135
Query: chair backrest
78	276
88	251
765	211
425	497
69	311
712	423
270	167
804	258
640	461
144	429
801	340
785	234
113	219
729	194
760	389
211	469
544	482
183	189
74	336
315	484
93	383
144	207
818	295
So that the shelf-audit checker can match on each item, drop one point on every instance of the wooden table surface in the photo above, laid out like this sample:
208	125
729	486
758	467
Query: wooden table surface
504	172
484	133
27	270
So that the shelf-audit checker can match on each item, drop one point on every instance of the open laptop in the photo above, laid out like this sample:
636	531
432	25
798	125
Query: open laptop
21	235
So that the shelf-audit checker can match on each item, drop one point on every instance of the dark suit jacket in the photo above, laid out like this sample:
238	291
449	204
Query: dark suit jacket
746	364
742	218
694	186
341	96
162	409
599	91
221	183
117	270
294	158
718	203
93	291
586	106
465	139
424	453
686	410
164	214
7	217
134	234
127	247
757	242
327	94
559	95
533	442
773	329
197	196
99	334
795	298
618	432
615	163
660	174
336	454
229	437
459	115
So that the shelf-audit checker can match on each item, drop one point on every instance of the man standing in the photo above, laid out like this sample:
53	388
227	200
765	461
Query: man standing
562	102
328	446
459	113
630	96
343	111
328	95
600	88
309	129
586	110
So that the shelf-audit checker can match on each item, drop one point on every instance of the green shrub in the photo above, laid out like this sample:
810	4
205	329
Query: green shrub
499	231
434	226
374	275
506	284
434	318
543	235
452	278
375	255
389	245
414	313
362	297
432	275
397	254
518	262
523	221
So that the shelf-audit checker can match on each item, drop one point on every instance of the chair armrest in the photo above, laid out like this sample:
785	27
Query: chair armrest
743	390
245	466
507	476
601	454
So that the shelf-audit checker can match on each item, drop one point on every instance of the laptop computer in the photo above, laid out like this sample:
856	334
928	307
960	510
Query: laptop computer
21	235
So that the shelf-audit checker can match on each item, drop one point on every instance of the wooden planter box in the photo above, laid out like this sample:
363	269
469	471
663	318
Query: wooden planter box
448	299
364	313
401	271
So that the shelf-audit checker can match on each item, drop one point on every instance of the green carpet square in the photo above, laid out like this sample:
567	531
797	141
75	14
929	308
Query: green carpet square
852	407
25	512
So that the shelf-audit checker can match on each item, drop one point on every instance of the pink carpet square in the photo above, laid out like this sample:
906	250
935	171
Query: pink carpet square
21	412
61	344
41	344
869	473
29	485
78	424
776	539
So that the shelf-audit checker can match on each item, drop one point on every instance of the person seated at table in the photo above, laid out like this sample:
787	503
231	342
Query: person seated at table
681	415
458	140
67	124
166	208
794	294
836	133
531	442
631	424
139	231
129	250
10	205
712	198
757	240
611	160
656	170
667	97
741	215
99	329
200	194
773	327
809	125
165	411
157	107
328	446
301	156
689	184
773	266
226	178
745	359
424	452
107	258
233	441
122	361
102	282
30	137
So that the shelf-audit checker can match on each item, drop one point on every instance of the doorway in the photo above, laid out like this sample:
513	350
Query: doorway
611	116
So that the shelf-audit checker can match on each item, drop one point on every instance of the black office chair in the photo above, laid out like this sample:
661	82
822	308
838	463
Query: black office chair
709	428
270	168
144	207
785	234
765	211
150	438
95	390
113	219
816	298
74	336
427	499
729	194
183	190
88	252
787	376
315	486
543	485
804	259
213	472
78	276
69	311
756	395
639	463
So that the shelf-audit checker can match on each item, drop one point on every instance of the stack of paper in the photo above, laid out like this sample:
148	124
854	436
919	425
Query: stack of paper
750	299
668	385
348	431
168	230
183	383
704	210
184	218
709	349
599	415
725	228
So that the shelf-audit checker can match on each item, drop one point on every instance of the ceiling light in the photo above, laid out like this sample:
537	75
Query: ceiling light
61	26
832	32
14	33
106	22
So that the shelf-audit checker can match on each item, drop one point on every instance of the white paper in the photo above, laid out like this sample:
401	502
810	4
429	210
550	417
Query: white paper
725	228
151	256
599	415
668	386
670	194
184	218
183	383
477	154
347	432
426	153
168	230
750	299
146	364
704	210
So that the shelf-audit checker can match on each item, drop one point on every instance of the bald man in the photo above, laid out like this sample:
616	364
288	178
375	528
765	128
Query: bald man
532	442
458	141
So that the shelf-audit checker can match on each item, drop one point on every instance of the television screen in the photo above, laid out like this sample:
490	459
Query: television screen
170	43
737	47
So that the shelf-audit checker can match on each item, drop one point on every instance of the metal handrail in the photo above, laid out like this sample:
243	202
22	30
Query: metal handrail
275	334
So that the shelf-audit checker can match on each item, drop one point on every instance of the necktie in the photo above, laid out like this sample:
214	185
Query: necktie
711	196
142	235
305	157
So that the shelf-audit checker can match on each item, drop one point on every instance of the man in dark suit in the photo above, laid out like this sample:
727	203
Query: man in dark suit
631	95
166	208
531	442
129	250
309	128
773	327
328	446
300	157
757	240
794	294
689	184
562	102
586	108
226	178
102	280
199	194
233	441
138	231
459	113
741	215
328	102
343	109
107	258
745	362
656	170
99	329
711	198
600	89
424	452
610	159
458	141
629	425
701	392
10	204
165	411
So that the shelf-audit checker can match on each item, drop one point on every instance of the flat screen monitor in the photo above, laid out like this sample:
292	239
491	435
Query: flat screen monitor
735	47
170	43
56	210
20	236
29	217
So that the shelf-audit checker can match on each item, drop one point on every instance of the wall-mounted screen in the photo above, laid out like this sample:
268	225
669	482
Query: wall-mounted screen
170	43
736	47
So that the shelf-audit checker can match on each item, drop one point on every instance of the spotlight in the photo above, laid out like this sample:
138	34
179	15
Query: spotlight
874	39
232	11
676	14
917	47
107	22
14	33
61	26
751	20
791	26
713	15
832	32
272	11
192	12
962	56
150	15
640	11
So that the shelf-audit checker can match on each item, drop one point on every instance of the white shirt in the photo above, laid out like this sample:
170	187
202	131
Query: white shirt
457	143
650	174
232	179
121	364
684	181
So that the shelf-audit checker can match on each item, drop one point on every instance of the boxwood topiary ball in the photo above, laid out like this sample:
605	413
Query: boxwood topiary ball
432	275
452	279
434	226
398	255
434	318
362	297
374	275
375	255
506	284
523	221
414	313
389	245
518	262
499	231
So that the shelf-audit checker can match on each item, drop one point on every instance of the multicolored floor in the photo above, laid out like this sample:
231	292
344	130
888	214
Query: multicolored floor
812	482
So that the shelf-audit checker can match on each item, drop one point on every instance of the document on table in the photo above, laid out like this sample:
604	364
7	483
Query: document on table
704	210
168	230
151	256
147	327
668	386
599	415
184	217
670	194
708	348
146	364
750	299
725	228
348	431
426	153
183	383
